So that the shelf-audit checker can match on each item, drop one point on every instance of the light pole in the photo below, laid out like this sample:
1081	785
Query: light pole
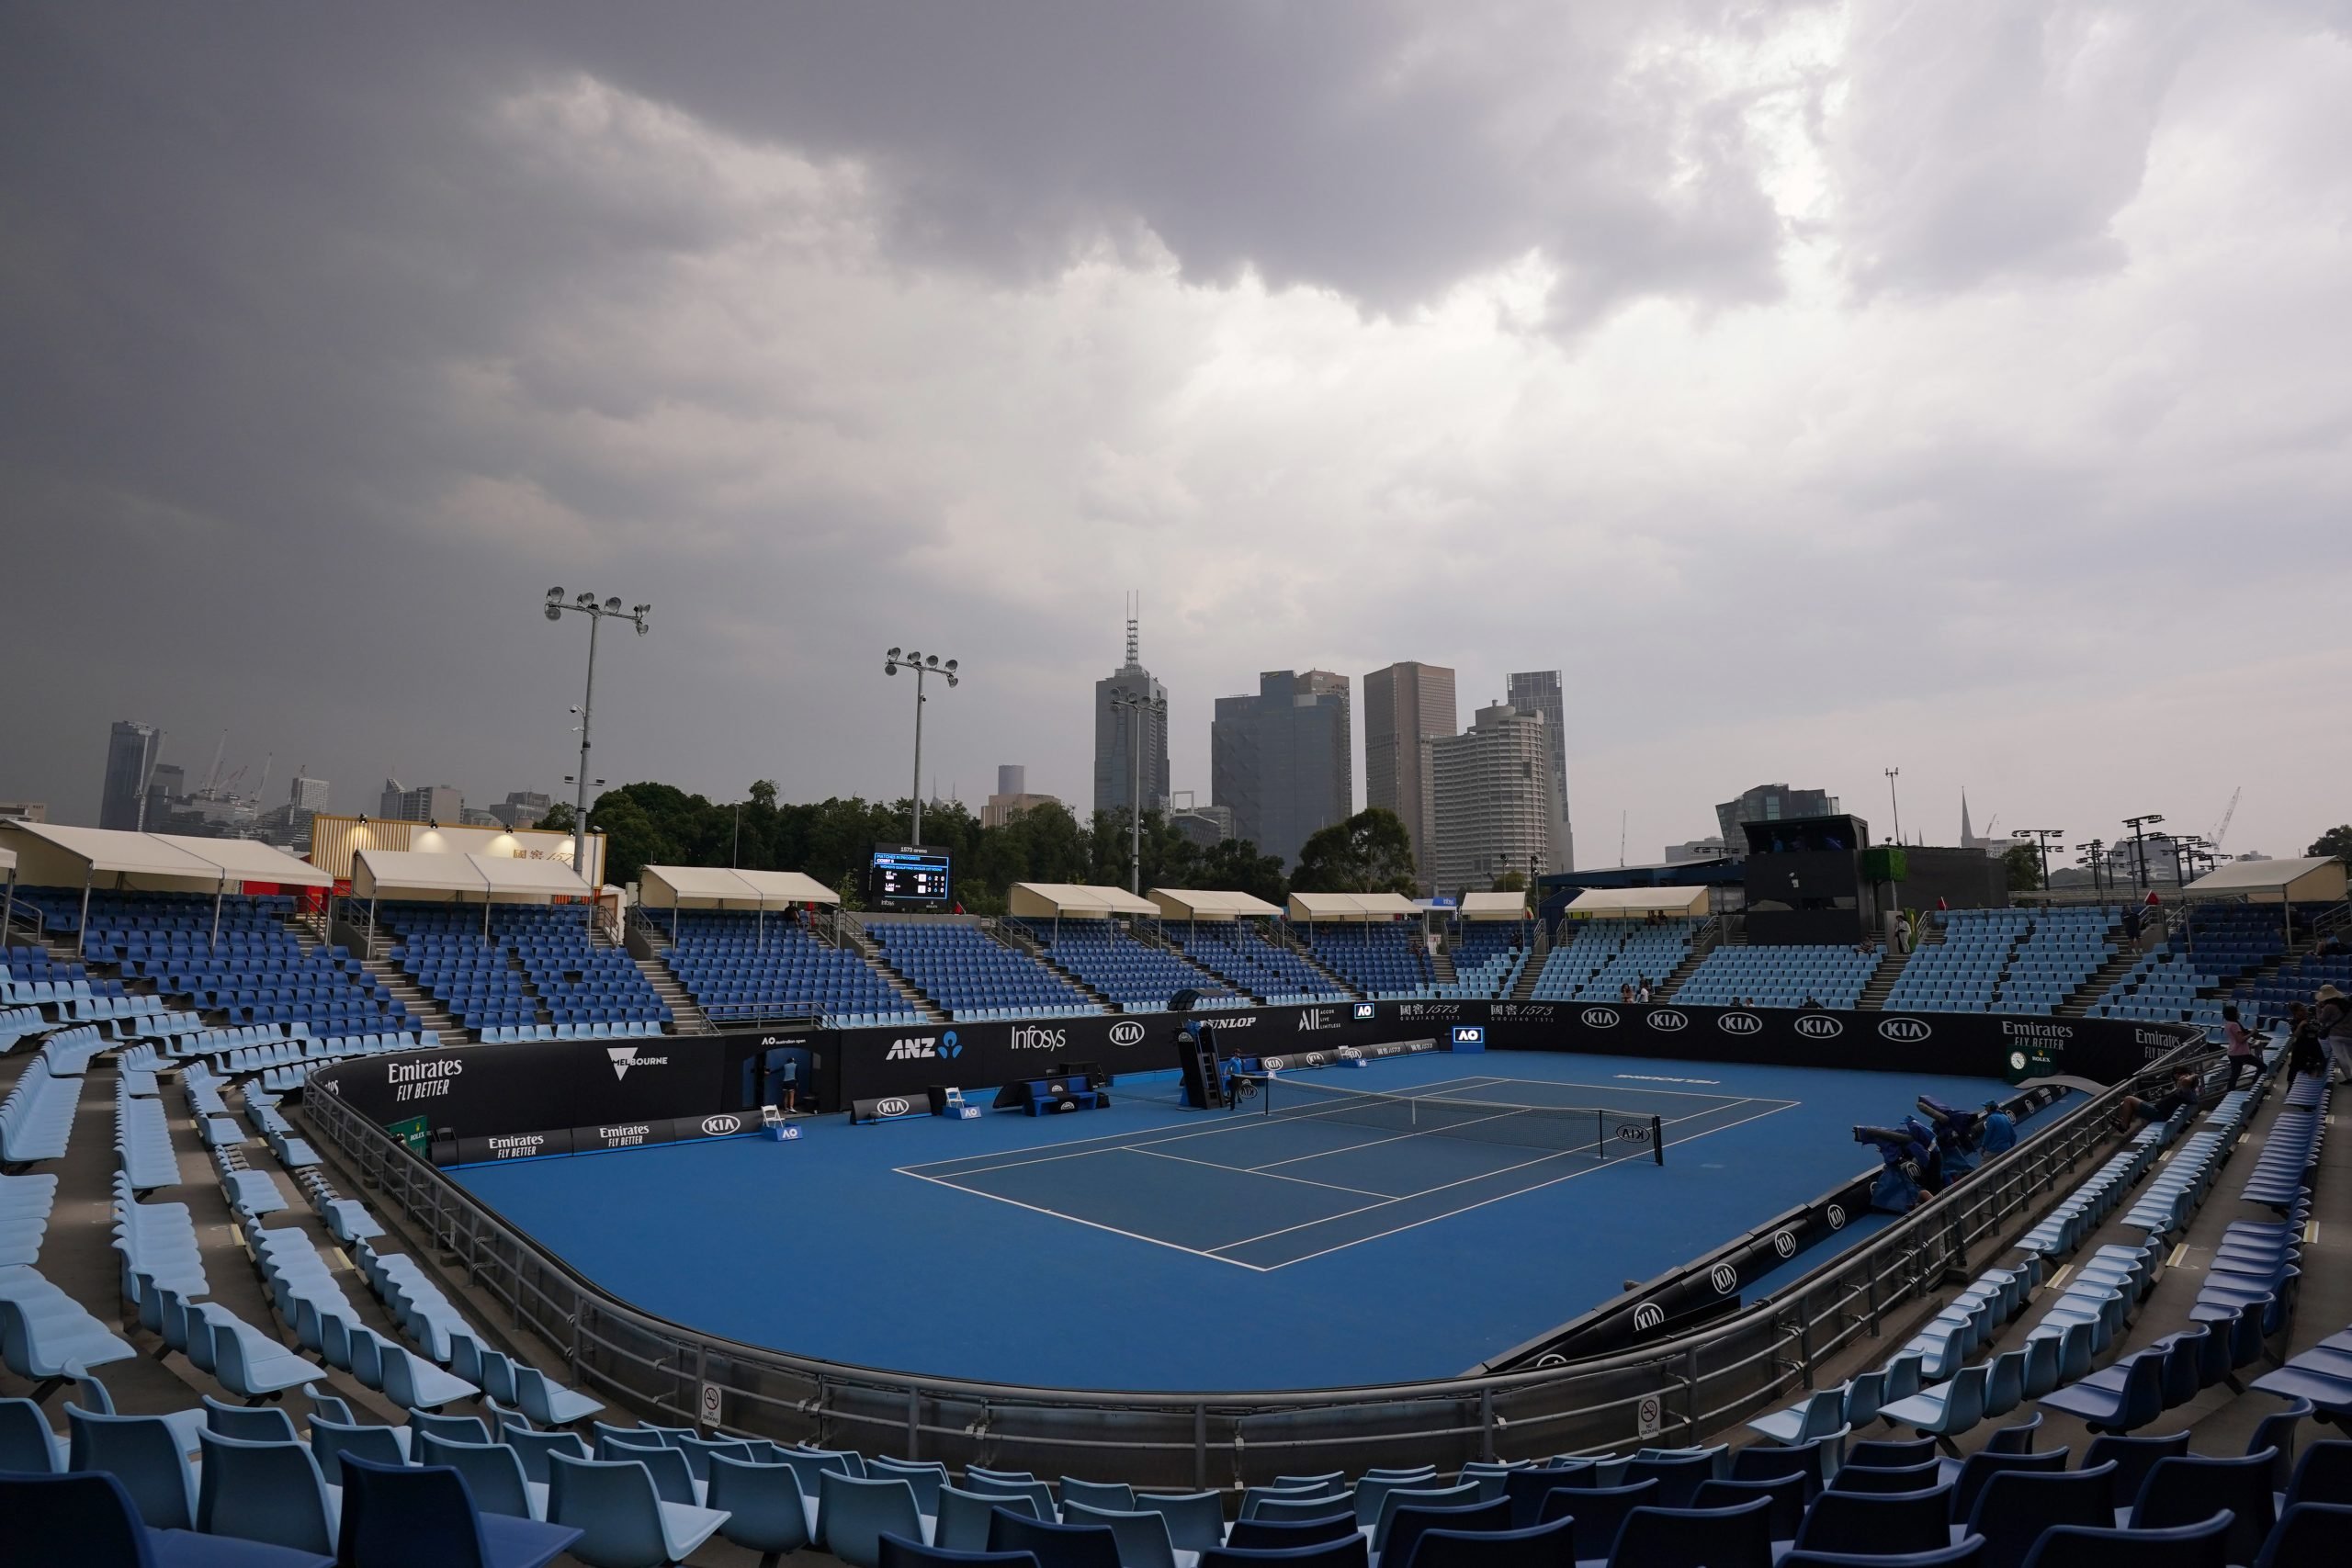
2042	836
923	664
2093	854
2139	826
587	605
1137	704
1892	774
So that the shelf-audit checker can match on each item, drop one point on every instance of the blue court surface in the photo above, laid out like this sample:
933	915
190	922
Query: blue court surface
1142	1245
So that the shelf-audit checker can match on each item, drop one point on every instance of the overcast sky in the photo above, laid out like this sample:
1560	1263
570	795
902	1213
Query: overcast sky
1964	387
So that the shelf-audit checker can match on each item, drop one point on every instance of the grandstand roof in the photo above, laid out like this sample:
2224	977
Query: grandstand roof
692	886
203	862
377	872
1193	904
1631	903
1350	906
2312	878
1073	899
1494	906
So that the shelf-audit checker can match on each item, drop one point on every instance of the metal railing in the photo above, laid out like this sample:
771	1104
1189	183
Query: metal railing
1677	1391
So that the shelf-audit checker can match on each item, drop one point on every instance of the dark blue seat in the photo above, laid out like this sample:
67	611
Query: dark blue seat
1889	1453
1968	1553
898	1551
1885	1479
1056	1545
1973	1472
1409	1525
1599	1513
2132	1459
1696	1538
2015	1440
1352	1553
2322	1475
2015	1507
2191	1546
1762	1462
87	1519
1527	1489
422	1516
1539	1546
2129	1395
1879	1521
1284	1535
2308	1535
2186	1489
1677	1475
1787	1493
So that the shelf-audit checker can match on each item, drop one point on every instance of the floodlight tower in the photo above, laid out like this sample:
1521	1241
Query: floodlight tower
923	664
2042	838
2139	826
587	605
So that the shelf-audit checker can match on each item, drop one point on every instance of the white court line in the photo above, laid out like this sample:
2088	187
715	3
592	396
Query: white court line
1091	1224
1728	1104
1498	1198
1243	1170
1234	1121
1620	1088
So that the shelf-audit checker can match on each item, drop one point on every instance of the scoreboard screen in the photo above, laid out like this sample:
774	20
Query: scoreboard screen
909	877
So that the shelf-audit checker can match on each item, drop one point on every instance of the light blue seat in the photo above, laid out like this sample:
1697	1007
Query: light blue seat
254	1367
1816	1415
765	1512
925	1478
330	1440
1946	1410
26	1444
1144	1541
142	1453
533	1448
267	1491
623	1523
853	1515
412	1381
493	1474
1116	1497
550	1403
962	1523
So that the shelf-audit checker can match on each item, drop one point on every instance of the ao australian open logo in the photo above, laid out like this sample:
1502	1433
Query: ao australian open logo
892	1107
1724	1278
1647	1316
1668	1020
1127	1034
1904	1030
1601	1018
1784	1243
1739	1023
1835	1215
1819	1026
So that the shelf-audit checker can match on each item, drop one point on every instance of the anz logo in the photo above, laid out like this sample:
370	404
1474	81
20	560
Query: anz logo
1647	1316
1819	1026
1904	1030
1600	1018
1668	1019
1127	1034
923	1047
1740	1024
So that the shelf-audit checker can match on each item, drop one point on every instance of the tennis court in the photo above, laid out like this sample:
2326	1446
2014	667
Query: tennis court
1304	1168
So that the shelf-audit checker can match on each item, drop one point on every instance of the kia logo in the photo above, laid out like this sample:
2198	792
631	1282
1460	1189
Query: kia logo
1549	1361
1739	1023
1784	1243
1128	1033
1835	1215
1819	1026
892	1107
1668	1019
1601	1018
1724	1278
720	1126
1905	1031
1315	1058
1648	1316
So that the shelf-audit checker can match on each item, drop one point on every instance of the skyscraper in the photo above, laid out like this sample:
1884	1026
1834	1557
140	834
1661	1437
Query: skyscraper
426	803
1770	803
309	794
1283	761
131	750
1407	706
1114	761
1493	799
1538	691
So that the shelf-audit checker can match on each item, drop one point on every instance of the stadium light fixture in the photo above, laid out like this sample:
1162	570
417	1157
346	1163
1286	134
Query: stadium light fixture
2139	826
1139	704
1895	805
2042	838
923	664
585	604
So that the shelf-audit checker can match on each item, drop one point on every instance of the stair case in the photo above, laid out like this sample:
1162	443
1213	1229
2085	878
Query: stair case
846	932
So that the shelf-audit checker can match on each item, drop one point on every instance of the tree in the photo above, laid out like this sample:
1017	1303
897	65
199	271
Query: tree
1235	865
2022	864
1369	853
2337	841
763	794
557	819
1510	882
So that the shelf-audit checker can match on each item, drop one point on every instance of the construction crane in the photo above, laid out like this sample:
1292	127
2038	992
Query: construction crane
2217	834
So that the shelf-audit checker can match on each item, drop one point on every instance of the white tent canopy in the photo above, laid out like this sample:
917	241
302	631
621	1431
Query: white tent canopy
51	854
407	874
1350	906
702	886
1193	904
1634	903
1494	906
1074	900
2307	879
243	860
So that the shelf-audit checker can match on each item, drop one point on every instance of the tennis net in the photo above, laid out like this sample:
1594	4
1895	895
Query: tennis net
1601	1133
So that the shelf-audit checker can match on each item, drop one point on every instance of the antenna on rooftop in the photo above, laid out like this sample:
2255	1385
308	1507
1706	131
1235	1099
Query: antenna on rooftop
1135	610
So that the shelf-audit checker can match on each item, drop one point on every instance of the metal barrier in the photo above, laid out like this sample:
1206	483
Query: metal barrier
1670	1393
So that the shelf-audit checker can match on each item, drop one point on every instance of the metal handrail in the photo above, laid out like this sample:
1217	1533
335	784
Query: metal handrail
1675	1390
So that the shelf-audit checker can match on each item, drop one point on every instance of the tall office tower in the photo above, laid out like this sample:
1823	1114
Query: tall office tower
1770	803
1116	728
1493	792
1407	706
131	758
1013	778
1283	761
1538	691
426	803
309	794
166	783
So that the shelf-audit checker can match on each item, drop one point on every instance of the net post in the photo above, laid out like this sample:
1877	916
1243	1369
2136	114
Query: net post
1657	1140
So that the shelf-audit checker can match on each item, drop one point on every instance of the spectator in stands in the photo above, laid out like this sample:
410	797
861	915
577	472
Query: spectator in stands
2305	1054
2333	1018
1625	992
1903	931
2132	924
1642	992
1811	1004
2164	1108
2246	1046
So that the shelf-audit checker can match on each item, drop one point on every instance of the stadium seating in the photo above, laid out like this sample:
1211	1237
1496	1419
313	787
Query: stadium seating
536	975
972	974
1487	957
1779	978
1384	961
741	966
1253	960
1137	975
2008	960
2267	1001
1595	960
2220	944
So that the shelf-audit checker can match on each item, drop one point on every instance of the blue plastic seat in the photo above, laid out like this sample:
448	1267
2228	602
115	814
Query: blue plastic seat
550	1403
26	1444
1878	1521
1787	1494
620	1521
765	1508
2185	1489
2132	1459
2308	1535
88	1521
2014	1507
1884	1479
2193	1546
1892	1453
1114	1496
1969	1476
422	1516
1409	1525
1350	1553
1261	1535
1599	1513
1143	1538
1055	1545
268	1491
143	1453
1696	1538
898	1551
1967	1552
1539	1546
330	1440
1527	1488
493	1474
962	1521
854	1514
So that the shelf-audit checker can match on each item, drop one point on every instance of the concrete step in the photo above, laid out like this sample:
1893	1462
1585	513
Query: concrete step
687	1017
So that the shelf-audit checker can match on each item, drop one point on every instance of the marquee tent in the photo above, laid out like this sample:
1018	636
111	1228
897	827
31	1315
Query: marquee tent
713	887
51	854
1637	903
1192	904
460	879
1494	906
2308	879
1074	900
1350	906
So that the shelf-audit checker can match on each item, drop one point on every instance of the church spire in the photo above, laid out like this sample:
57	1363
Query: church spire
1967	834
